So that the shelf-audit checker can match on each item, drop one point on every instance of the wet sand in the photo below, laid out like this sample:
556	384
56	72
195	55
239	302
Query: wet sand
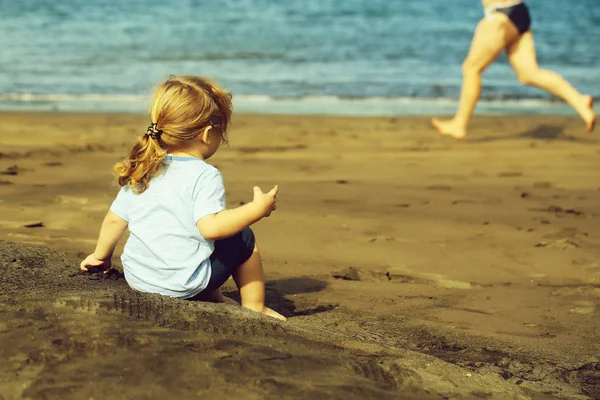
409	265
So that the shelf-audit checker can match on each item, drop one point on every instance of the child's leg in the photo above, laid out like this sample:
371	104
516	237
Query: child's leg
214	296
227	256
250	280
238	256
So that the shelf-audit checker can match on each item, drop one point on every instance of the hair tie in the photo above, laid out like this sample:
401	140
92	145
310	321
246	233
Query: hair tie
153	131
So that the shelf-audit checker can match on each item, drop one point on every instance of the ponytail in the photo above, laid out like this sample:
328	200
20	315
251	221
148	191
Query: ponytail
146	160
182	107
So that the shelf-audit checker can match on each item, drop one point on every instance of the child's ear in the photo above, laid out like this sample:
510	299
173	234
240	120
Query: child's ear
205	135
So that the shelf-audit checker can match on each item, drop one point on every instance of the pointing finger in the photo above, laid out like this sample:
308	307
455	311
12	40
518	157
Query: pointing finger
274	191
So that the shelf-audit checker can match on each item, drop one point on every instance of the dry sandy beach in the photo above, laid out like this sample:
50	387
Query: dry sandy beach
409	265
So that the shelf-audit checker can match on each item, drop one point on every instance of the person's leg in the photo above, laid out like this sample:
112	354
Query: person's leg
491	37
250	280
238	256
522	57
214	296
227	256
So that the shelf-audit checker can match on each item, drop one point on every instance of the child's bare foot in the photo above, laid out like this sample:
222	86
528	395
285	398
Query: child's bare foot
216	297
267	311
449	128
227	300
274	314
588	115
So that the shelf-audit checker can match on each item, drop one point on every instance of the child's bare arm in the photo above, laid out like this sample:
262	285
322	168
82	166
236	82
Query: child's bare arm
229	222
111	231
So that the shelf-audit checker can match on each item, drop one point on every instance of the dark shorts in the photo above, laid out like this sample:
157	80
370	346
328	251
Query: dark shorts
229	254
518	15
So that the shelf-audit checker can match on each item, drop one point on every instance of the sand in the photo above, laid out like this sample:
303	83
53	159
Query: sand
408	265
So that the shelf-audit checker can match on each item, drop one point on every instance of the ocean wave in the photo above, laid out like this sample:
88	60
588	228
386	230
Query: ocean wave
59	97
293	105
259	98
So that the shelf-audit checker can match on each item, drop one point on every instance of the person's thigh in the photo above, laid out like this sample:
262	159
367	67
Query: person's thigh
229	254
492	35
521	54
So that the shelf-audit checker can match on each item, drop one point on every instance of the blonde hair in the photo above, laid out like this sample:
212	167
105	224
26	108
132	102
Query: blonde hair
182	107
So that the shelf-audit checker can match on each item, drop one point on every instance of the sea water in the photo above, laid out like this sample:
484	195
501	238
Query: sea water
346	57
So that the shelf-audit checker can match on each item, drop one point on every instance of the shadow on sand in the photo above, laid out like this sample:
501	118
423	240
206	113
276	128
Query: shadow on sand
540	132
276	292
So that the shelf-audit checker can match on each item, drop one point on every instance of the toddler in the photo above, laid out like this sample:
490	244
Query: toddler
183	241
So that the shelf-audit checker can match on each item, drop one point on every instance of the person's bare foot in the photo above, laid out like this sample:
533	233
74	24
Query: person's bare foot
588	115
274	314
265	310
449	128
216	297
227	300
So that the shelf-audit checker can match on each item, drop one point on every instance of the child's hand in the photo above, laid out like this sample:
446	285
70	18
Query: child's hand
266	202
92	261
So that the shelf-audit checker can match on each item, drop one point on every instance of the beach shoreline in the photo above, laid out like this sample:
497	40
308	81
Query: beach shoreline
300	105
483	253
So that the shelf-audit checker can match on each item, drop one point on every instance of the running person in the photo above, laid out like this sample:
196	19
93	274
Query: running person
507	26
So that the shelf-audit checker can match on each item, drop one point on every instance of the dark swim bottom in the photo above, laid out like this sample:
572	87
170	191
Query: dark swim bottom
518	15
229	254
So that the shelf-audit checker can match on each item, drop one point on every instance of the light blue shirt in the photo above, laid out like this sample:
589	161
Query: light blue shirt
165	252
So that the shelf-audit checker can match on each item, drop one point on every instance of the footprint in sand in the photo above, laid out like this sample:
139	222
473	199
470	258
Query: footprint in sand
34	224
541	220
400	274
561	244
403	274
588	291
463	201
558	210
385	238
439	187
452	284
510	174
594	267
568	232
542	185
95	207
45	239
61	199
583	307
564	238
12	170
21	224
